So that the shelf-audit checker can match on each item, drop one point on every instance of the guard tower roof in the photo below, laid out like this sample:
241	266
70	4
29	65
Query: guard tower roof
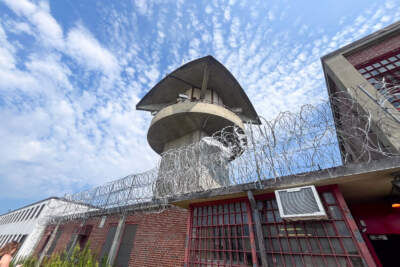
190	75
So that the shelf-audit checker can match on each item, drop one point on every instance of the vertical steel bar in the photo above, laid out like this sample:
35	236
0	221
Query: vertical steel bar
366	255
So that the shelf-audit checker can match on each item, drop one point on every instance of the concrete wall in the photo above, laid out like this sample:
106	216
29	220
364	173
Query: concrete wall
210	96
347	79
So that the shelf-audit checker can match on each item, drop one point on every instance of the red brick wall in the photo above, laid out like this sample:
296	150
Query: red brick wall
375	50
159	240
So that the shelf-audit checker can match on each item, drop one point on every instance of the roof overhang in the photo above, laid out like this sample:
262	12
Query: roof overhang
365	42
361	182
190	75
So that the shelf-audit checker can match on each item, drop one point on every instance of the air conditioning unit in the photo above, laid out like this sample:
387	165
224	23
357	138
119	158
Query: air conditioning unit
300	203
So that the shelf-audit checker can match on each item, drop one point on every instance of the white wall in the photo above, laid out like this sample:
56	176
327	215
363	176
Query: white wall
32	223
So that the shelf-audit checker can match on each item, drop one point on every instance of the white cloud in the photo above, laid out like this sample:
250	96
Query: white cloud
21	7
71	95
271	15
208	9
21	27
7	60
227	14
85	49
48	29
142	7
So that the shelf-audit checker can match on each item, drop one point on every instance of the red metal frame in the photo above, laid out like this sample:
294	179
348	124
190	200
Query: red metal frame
316	243
379	219
329	242
354	229
385	66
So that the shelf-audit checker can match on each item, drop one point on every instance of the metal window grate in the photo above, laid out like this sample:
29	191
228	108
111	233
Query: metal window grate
386	66
221	235
310	243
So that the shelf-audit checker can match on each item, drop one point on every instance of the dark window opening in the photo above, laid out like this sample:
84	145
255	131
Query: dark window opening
386	248
83	235
55	240
44	244
107	245
125	247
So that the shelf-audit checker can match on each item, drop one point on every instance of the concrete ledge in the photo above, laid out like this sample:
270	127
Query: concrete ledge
380	170
183	118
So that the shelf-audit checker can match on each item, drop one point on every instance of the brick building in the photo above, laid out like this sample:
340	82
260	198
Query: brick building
155	239
241	224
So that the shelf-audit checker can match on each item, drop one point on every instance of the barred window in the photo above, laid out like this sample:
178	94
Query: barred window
220	235
308	243
384	67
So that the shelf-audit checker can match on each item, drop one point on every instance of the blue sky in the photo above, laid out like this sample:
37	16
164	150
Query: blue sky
71	73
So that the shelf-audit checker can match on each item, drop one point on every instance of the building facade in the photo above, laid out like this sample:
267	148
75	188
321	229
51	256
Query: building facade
367	70
241	224
143	238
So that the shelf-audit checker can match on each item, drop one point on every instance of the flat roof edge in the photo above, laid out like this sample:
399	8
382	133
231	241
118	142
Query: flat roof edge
326	175
392	28
32	204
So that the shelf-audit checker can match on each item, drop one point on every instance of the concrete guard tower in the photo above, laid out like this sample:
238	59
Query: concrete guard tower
195	101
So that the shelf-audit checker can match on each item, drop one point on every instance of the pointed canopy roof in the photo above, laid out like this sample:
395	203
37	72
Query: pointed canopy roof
190	75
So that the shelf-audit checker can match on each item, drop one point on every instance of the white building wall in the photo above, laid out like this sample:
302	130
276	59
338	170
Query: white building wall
31	221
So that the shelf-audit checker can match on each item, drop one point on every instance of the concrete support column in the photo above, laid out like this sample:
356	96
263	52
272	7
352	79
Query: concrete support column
259	232
117	239
48	245
348	79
